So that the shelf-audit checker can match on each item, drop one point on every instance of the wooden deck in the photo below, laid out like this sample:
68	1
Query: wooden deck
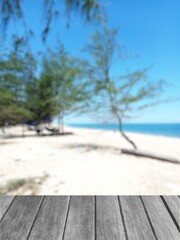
90	218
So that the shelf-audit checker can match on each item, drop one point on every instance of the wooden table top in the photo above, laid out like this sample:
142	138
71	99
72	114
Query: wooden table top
90	217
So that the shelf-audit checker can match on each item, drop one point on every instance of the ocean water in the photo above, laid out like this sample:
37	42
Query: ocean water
169	129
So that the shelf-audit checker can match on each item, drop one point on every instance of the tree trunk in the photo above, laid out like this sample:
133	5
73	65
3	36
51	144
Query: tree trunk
23	130
3	130
62	122
124	135
151	155
115	112
59	122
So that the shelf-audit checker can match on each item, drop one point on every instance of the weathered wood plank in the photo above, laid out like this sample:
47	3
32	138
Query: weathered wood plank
136	221
58	218
109	223
51	218
19	218
80	221
5	202
162	222
173	205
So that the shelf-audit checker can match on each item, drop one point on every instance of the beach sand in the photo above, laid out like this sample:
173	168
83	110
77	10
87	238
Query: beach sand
90	162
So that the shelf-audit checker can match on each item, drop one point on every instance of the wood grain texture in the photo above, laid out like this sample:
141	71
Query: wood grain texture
109	223
160	218
90	218
173	206
80	221
135	219
50	221
19	218
5	202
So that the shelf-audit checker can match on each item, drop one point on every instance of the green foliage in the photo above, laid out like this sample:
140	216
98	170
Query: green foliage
14	114
67	77
41	101
59	88
12	96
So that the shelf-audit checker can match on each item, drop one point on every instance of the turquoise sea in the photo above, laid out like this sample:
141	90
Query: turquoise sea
169	129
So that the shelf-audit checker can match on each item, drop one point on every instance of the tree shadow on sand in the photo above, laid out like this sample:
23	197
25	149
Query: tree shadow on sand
135	153
92	147
13	136
3	142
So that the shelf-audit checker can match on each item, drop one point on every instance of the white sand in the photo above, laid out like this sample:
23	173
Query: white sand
90	162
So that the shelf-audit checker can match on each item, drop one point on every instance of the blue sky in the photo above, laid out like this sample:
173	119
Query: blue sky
148	29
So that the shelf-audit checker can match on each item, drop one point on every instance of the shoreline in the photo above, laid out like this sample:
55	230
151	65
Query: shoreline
127	132
90	126
90	162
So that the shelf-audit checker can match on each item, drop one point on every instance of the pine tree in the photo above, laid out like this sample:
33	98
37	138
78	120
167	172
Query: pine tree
116	98
12	91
